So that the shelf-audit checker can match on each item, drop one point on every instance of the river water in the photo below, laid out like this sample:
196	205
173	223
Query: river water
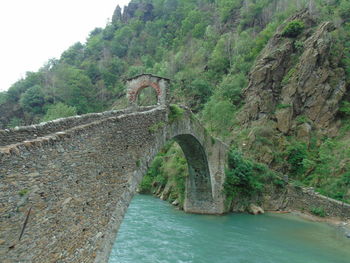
153	231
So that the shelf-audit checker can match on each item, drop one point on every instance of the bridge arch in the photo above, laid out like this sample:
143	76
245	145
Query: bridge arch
136	84
198	185
206	158
147	96
75	185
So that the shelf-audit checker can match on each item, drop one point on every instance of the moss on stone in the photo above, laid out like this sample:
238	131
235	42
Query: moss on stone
175	113
23	192
155	127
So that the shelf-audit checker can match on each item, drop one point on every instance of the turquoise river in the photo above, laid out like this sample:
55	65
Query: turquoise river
153	231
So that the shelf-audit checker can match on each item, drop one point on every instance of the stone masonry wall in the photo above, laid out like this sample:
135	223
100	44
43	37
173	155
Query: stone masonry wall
306	199
303	199
73	182
78	183
19	134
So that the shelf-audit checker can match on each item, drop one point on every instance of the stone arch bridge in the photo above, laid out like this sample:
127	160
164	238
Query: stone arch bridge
66	184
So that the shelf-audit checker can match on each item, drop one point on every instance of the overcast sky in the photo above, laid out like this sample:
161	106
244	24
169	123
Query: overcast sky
34	31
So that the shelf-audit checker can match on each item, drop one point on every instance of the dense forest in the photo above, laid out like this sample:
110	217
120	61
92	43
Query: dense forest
212	50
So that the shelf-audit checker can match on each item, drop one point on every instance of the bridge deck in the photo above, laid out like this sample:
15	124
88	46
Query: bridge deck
25	133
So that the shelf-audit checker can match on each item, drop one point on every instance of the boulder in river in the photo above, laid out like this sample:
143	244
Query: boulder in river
255	210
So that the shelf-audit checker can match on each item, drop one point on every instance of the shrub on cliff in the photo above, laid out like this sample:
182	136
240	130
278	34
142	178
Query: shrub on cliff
247	178
345	108
293	28
296	153
241	175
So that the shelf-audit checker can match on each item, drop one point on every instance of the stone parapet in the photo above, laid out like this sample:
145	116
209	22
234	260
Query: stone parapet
67	191
25	133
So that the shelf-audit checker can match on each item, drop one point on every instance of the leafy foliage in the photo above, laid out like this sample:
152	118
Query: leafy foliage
318	211
155	127
33	100
245	177
3	97
59	110
293	29
345	108
241	176
218	115
296	153
175	113
169	166
344	10
14	122
147	97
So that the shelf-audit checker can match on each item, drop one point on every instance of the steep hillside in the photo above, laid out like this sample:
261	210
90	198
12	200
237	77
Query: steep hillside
295	116
270	77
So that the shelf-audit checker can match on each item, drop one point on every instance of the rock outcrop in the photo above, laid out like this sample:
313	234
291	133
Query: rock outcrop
255	210
297	81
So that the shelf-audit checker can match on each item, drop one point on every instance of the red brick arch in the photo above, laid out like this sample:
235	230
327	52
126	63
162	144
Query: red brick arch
144	84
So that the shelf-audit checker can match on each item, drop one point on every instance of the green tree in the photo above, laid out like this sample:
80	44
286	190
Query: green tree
344	10
73	55
117	15
231	87
121	40
3	97
243	176
74	88
227	7
31	79
94	46
33	100
59	110
218	114
219	62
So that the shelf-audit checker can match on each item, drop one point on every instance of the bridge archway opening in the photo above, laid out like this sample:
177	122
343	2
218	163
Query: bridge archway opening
183	156
198	183
147	96
183	162
136	84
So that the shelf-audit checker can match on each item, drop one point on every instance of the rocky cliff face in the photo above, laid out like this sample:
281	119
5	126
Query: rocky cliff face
297	83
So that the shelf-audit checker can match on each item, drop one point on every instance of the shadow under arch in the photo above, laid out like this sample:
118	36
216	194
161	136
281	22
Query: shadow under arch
198	184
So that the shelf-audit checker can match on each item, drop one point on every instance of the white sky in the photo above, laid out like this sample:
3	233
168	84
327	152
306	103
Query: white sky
33	31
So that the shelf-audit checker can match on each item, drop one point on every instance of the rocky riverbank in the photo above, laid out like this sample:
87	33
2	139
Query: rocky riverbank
303	202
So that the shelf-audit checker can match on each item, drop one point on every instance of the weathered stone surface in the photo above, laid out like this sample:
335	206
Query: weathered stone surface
282	89
255	210
303	199
136	84
79	182
166	191
29	133
284	119
304	132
